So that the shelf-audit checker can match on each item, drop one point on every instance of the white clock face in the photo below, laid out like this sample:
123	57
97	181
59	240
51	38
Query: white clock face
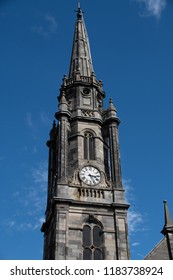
90	175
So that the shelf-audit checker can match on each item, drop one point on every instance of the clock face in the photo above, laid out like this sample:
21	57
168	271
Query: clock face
90	175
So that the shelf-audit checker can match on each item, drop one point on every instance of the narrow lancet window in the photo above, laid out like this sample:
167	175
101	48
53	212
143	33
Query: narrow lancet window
92	242
89	146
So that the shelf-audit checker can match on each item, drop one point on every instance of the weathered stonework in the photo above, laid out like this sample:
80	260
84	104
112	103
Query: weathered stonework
79	209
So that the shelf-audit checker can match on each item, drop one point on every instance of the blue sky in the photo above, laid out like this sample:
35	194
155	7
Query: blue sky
132	49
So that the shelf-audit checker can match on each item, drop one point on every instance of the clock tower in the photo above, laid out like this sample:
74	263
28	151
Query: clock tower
86	214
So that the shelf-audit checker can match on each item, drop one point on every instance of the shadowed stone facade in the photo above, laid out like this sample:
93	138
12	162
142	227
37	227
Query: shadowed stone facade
164	249
86	215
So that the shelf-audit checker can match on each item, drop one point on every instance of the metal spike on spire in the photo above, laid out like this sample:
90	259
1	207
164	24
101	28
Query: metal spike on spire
79	11
78	4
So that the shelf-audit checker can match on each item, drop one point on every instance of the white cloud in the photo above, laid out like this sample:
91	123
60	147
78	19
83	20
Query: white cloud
134	244
30	225
34	121
36	193
16	194
46	27
29	120
10	224
129	190
40	173
18	225
39	30
52	23
45	119
30	201
153	7
135	220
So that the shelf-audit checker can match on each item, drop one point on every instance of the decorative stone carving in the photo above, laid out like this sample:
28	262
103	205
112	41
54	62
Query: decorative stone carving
95	193
104	182
87	113
74	180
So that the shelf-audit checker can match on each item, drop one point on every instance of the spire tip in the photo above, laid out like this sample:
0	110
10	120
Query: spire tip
79	11
78	4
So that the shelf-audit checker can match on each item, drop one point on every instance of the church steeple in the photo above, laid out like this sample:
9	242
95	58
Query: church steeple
81	61
86	196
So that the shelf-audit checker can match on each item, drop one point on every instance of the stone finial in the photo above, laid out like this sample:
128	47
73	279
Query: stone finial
63	104
64	80
168	226
111	109
111	105
168	220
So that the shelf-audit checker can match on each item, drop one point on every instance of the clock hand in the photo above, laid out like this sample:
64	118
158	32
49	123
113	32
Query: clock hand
94	176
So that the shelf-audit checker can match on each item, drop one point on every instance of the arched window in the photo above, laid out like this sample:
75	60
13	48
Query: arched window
92	242
89	146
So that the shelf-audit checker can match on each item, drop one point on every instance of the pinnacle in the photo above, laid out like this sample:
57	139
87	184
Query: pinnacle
111	105
168	220
168	226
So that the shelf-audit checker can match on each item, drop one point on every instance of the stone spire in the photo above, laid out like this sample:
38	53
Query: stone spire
81	61
168	227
